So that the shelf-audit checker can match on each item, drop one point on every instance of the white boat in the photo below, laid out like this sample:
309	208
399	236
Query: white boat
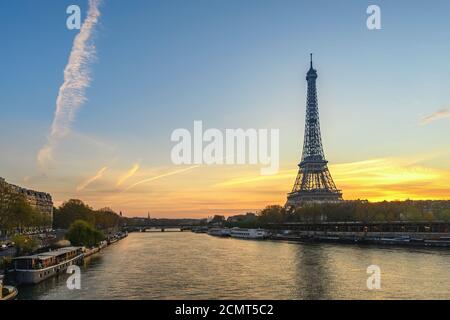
219	232
87	252
112	240
36	268
103	244
91	251
248	233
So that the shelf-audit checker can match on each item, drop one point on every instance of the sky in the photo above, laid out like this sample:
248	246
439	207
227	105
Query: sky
138	70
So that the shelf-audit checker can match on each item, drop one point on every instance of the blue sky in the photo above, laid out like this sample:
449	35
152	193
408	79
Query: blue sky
163	64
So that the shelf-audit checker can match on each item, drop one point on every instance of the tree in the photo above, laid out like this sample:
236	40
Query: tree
81	233
24	244
5	262
272	214
70	211
444	215
106	219
217	220
412	213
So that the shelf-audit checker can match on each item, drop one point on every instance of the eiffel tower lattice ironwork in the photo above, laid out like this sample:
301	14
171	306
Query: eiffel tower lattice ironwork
314	182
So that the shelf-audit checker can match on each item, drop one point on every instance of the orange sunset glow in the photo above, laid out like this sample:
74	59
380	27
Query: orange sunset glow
198	191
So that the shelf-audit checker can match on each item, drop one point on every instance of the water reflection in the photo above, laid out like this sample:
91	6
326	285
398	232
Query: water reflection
197	266
312	272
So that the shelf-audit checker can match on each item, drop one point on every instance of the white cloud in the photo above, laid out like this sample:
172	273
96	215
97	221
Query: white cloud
440	114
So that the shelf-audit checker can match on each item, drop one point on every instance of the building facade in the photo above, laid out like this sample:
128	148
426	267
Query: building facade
41	201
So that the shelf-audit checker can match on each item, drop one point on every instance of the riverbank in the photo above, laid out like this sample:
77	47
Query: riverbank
395	240
415	234
384	233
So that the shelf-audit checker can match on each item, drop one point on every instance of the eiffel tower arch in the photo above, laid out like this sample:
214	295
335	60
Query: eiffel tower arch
314	183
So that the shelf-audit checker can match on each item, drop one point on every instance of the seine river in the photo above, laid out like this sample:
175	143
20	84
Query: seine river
184	265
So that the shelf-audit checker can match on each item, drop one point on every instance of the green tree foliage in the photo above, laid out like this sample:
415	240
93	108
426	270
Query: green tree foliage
272	214
24	244
413	214
248	220
361	211
5	262
106	218
70	211
81	233
246	224
444	214
15	212
217	220
73	210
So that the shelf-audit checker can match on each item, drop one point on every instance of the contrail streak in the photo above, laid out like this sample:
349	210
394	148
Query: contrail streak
71	94
87	182
127	175
161	176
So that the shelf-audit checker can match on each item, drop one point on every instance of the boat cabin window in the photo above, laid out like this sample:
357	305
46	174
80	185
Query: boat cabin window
24	263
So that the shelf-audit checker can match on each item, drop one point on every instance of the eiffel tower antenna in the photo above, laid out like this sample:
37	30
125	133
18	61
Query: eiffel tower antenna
314	183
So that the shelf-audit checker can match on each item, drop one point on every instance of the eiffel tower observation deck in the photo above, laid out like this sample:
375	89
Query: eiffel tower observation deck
314	183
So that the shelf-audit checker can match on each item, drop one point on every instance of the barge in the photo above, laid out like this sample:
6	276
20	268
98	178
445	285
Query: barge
36	268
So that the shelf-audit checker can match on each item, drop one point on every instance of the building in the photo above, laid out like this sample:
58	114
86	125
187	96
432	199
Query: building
40	201
314	183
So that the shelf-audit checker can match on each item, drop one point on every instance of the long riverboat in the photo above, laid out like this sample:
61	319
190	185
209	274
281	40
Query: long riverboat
219	232
36	268
255	234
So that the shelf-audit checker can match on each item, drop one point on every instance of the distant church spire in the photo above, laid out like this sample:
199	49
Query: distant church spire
148	215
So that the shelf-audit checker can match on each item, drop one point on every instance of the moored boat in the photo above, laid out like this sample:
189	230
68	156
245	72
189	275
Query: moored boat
219	232
103	244
87	252
202	229
7	292
36	268
112	240
437	243
256	234
118	236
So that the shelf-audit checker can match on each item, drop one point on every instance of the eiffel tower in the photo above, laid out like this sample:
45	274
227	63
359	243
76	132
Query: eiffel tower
314	183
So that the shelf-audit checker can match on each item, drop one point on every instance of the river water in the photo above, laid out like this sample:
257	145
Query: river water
184	265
